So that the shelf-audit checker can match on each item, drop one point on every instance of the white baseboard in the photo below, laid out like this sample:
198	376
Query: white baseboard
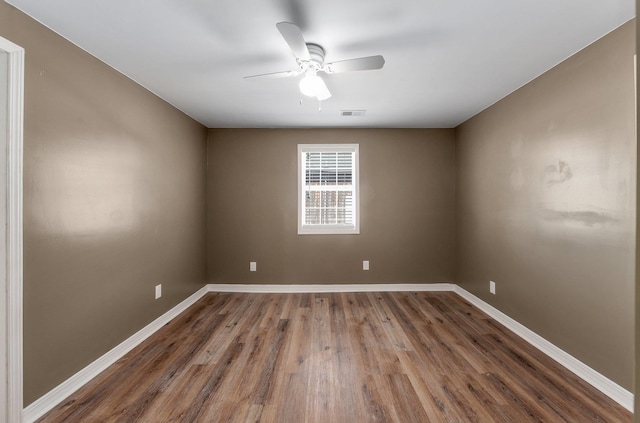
595	379
68	387
296	289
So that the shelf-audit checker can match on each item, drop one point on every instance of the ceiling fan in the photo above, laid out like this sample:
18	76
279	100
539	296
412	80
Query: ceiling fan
310	60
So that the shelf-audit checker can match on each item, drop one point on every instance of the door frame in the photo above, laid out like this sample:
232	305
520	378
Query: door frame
14	239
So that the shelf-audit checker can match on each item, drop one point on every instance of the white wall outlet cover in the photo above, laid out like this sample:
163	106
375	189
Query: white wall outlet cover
252	266
365	265
158	291
492	287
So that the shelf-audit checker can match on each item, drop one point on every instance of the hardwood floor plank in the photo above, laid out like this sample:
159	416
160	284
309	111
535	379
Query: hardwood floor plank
125	379
213	383
405	400
190	385
493	409
580	400
298	347
435	403
294	397
336	357
375	405
264	385
350	403
393	332
164	373
80	409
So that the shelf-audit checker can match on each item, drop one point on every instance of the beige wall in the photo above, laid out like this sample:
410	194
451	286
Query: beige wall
114	192
546	205
407	209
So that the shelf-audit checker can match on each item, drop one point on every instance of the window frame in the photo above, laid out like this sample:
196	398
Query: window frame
327	229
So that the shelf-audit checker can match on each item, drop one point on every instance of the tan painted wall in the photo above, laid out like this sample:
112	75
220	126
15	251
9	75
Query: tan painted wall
407	209
546	205
114	193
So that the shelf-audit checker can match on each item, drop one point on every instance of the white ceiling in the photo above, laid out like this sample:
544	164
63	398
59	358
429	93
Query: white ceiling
446	60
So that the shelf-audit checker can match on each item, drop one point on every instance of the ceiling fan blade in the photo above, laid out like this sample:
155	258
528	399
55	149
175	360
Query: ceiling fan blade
360	64
273	75
293	36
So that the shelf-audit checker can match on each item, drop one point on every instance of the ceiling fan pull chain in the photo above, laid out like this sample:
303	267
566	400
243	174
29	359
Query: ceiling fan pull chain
319	105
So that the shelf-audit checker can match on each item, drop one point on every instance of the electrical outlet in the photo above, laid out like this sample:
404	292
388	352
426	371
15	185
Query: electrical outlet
158	291
252	266
492	287
365	264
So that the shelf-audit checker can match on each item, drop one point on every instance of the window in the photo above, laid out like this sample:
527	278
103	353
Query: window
328	200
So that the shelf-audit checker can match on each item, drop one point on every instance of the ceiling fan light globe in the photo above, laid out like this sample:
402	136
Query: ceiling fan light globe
310	84
322	93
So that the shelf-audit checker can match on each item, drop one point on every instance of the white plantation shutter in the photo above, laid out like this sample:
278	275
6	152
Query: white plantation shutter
328	189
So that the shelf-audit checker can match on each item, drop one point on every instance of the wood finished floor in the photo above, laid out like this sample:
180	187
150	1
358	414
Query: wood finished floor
346	357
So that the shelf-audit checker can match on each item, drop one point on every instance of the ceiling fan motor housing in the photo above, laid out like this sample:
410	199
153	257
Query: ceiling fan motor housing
317	57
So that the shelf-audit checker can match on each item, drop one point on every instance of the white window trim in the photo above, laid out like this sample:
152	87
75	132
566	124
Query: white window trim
328	229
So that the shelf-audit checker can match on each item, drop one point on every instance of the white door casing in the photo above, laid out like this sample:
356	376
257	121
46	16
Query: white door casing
11	143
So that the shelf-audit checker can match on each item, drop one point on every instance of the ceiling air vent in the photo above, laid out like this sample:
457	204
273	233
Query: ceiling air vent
352	112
